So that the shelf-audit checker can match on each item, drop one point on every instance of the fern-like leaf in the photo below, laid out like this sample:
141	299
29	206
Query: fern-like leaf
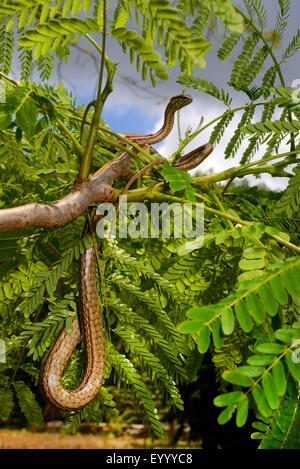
200	84
127	316
153	364
293	47
6	48
125	370
228	45
282	17
248	75
40	335
237	138
220	128
256	9
290	200
266	375
45	66
257	296
28	404
281	431
6	404
243	58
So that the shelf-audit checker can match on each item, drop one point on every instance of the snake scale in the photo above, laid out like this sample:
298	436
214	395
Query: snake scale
90	324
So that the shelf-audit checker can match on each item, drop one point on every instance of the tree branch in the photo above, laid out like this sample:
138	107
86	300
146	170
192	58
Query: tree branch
95	188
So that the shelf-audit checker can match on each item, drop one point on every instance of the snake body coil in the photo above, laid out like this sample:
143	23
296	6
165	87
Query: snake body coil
62	350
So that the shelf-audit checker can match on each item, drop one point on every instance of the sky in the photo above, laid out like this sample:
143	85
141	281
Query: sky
135	106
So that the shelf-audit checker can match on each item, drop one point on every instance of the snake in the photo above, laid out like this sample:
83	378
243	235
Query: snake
89	323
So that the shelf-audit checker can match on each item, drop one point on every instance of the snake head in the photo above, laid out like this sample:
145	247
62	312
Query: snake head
179	101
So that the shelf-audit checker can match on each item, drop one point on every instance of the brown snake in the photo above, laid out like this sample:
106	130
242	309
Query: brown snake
90	318
92	331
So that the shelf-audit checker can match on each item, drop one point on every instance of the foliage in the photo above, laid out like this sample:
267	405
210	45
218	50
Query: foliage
233	295
46	28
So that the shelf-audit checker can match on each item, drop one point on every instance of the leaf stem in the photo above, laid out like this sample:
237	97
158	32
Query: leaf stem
101	97
78	147
171	198
185	142
238	171
155	193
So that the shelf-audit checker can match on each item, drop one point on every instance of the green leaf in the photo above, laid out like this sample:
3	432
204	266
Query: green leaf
274	231
255	308
291	283
86	5
178	179
46	30
188	327
279	291
249	275
270	347
9	293
270	391
225	415
27	115
221	236
216	334
286	335
260	426
153	57
228	45
28	404
234	377
243	316
5	119
189	193
257	436
203	340
78	25
69	325
251	264
34	36
279	377
260	400
227	321
203	313
254	253
223	400
267	299
6	404
242	412
293	364
126	369
260	360
251	371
